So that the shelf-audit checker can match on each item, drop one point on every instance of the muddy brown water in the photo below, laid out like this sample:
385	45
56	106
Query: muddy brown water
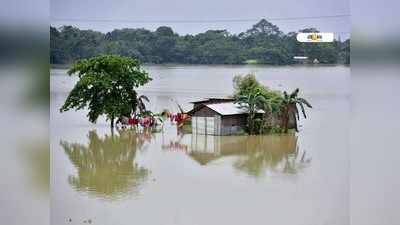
169	178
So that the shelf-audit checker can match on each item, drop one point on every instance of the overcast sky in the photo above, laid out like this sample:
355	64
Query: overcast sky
126	14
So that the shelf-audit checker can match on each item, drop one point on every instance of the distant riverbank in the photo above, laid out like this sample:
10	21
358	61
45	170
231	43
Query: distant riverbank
67	66
263	43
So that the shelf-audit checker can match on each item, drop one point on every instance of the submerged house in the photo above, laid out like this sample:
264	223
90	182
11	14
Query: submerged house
218	117
222	116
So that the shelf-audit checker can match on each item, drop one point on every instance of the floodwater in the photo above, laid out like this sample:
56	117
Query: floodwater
167	178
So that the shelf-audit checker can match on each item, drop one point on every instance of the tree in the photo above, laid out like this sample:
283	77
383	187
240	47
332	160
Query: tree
263	27
268	106
269	102
289	104
252	103
106	86
254	96
244	85
165	31
345	52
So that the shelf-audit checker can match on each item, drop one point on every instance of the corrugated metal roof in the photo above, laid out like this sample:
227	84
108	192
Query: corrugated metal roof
228	108
210	99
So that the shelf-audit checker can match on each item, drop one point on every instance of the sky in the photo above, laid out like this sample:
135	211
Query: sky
192	17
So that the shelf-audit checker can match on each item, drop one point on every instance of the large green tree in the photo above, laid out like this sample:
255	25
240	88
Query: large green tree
106	86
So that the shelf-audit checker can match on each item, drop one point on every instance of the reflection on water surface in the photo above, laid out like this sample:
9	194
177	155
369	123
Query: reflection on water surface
254	155
106	166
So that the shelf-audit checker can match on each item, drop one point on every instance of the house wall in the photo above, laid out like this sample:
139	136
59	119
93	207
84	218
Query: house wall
206	125
230	120
225	125
231	124
205	112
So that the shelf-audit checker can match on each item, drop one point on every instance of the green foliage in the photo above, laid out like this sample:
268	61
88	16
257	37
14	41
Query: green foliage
255	97
289	104
251	103
264	43
244	85
106	86
276	129
248	84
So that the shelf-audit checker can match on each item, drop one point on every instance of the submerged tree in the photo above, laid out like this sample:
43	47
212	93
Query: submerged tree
289	105
106	86
263	99
251	103
277	108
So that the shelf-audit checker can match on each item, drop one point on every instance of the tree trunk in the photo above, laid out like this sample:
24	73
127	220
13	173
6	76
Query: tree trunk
251	123
286	120
295	124
112	122
285	124
263	122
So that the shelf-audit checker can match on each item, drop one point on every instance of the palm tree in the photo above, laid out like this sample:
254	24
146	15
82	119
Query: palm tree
140	103
252	103
288	107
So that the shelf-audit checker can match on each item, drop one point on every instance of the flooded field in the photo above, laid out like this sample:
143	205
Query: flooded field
168	178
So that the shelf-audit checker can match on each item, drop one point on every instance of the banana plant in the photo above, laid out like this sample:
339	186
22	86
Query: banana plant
252	103
289	107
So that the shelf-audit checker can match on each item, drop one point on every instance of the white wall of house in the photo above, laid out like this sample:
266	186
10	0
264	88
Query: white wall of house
206	125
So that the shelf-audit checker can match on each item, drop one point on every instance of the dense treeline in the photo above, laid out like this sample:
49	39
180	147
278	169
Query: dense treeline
263	43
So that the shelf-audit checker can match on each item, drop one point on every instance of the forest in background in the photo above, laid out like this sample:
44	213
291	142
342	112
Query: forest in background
263	43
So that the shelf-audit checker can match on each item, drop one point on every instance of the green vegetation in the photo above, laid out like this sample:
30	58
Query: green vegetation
269	111
264	43
289	104
276	129
252	102
107	86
